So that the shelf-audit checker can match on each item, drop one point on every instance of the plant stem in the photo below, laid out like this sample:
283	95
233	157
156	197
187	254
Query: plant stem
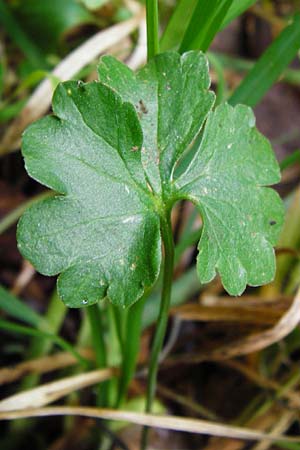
167	237
152	28
131	347
97	332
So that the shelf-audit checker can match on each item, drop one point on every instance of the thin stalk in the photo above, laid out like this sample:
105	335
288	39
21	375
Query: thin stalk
97	332
152	28
131	347
167	237
115	326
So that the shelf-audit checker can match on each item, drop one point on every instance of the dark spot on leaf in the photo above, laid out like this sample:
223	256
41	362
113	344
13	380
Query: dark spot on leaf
272	222
143	108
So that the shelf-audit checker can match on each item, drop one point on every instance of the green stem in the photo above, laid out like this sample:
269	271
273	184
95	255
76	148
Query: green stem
97	332
131	347
152	28
167	237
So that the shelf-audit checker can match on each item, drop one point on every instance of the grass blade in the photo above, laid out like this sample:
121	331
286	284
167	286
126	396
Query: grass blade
204	24
270	66
288	446
20	38
291	76
11	111
29	331
2	71
183	13
152	28
17	309
290	160
177	24
236	9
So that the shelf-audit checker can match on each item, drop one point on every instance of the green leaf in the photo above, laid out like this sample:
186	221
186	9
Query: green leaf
269	66
103	234
111	151
242	218
170	113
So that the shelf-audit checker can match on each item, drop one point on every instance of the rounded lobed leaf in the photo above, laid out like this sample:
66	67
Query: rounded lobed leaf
110	152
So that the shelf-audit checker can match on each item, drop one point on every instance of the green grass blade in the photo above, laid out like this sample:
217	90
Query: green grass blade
2	71
270	66
183	13
152	28
204	24
290	160
12	27
29	331
236	9
17	309
291	76
177	24
221	85
10	111
288	445
53	317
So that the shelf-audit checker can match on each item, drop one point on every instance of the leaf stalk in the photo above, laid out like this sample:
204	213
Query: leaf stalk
167	237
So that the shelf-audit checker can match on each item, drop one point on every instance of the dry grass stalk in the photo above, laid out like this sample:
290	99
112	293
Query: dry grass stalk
24	277
249	344
50	392
281	425
261	423
246	314
41	365
175	423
